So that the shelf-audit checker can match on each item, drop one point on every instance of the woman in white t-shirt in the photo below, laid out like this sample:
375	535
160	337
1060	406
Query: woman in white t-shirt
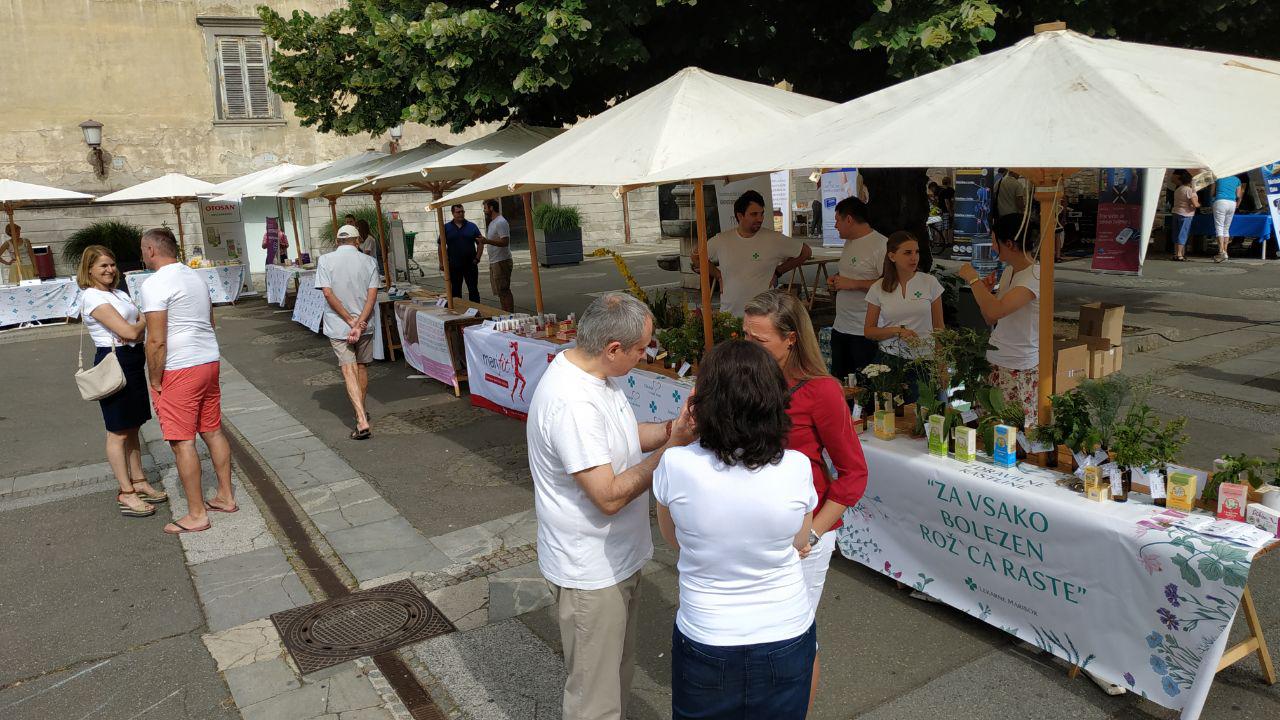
739	508
1015	312
115	325
904	308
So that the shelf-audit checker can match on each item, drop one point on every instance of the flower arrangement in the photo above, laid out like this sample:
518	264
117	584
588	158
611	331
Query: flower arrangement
880	379
633	287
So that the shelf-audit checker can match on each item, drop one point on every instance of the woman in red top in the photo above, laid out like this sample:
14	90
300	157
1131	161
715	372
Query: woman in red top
820	425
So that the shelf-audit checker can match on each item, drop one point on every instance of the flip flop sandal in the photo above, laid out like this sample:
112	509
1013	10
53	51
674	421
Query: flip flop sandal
183	529
129	511
361	434
214	508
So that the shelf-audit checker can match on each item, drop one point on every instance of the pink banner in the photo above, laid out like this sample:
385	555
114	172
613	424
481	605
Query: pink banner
1117	247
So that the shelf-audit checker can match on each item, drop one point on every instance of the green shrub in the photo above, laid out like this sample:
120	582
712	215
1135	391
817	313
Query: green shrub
366	212
124	241
556	218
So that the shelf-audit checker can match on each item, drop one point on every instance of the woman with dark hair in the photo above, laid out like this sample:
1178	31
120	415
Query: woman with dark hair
821	427
1185	204
1014	309
739	508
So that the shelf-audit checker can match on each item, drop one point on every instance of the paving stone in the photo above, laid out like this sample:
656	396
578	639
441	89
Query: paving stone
468	543
254	682
342	695
466	605
312	469
526	685
253	642
231	533
385	547
344	504
516	529
517	591
248	586
286	442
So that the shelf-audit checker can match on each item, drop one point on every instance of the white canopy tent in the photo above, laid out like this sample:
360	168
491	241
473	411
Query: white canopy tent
685	116
1055	102
265	183
173	188
440	172
15	194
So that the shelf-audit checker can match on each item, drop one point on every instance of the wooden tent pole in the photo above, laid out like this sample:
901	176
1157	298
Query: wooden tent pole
533	250
704	263
15	241
293	215
333	214
444	248
382	240
626	219
182	240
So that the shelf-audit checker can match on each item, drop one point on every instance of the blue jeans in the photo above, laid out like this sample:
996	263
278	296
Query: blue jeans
768	681
1181	229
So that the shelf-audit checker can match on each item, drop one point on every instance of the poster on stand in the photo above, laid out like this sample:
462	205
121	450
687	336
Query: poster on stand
973	204
834	186
780	184
1117	248
1271	179
223	238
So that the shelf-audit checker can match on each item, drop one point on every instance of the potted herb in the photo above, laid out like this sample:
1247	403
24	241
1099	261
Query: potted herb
1069	425
560	239
1130	444
996	411
1166	443
1235	469
878	380
1105	401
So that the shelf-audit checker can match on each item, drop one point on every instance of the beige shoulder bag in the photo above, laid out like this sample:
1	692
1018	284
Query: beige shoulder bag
102	380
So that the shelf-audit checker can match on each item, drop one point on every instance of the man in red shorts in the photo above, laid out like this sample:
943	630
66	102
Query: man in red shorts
182	367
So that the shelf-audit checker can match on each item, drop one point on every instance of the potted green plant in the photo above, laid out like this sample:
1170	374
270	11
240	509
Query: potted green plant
367	213
560	239
1106	401
878	379
1240	468
122	239
1166	442
1069	425
1131	444
686	342
996	411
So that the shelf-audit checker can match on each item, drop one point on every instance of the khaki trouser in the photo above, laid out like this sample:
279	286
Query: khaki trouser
598	632
500	283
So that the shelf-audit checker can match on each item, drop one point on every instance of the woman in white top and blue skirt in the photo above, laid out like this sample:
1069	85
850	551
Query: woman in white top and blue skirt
115	325
739	508
903	309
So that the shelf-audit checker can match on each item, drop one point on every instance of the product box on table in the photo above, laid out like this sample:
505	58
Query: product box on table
1233	500
1006	446
1094	487
933	430
1263	517
1181	487
1070	364
966	443
1104	320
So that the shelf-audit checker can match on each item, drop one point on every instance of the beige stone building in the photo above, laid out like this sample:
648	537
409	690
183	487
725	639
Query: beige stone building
180	86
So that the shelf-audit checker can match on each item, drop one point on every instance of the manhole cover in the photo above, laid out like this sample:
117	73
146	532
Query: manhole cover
1212	270
1262	293
365	623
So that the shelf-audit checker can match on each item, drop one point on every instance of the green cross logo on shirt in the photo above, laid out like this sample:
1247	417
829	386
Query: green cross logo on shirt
919	294
755	256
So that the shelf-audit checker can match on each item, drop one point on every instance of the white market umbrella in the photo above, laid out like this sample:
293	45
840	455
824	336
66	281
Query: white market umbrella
441	171
1052	103
687	115
15	194
173	188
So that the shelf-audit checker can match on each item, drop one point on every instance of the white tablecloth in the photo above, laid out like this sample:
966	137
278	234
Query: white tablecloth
278	278
309	306
503	369
1144	606
224	282
50	300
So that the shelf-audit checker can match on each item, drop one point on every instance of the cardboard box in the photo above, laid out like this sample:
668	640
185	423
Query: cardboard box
966	443
1070	364
1263	518
1105	320
1182	489
1105	357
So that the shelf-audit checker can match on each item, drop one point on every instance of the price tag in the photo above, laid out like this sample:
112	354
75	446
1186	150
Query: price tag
1101	458
651	351
1155	481
1040	447
968	416
1023	443
684	369
1117	481
471	312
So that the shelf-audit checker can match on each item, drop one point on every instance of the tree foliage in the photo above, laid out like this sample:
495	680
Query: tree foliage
375	63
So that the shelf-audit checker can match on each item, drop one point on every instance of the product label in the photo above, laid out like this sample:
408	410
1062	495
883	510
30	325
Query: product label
1155	481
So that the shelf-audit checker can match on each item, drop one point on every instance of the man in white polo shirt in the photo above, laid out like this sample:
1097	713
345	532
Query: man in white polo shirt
591	494
861	264
182	368
349	280
750	257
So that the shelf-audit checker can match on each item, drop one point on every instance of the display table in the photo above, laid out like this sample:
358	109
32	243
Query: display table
431	338
278	279
503	369
1146	608
224	282
1255	226
56	299
309	307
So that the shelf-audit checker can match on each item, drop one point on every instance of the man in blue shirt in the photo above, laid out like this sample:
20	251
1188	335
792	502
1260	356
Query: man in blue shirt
461	238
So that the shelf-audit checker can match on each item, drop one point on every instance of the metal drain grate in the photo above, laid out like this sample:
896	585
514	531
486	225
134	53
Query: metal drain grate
364	623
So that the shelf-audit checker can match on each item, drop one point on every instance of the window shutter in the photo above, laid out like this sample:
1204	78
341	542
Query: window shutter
242	72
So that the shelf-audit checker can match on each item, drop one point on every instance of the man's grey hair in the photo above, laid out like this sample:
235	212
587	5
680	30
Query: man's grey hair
612	317
163	240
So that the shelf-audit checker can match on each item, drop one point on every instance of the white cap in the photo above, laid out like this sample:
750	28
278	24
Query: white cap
346	232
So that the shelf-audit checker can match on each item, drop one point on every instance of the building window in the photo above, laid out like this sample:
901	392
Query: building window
240	57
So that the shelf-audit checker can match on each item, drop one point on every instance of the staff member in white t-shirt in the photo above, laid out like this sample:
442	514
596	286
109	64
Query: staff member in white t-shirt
750	259
739	507
182	367
591	481
905	307
349	280
115	325
861	264
497	235
1015	312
